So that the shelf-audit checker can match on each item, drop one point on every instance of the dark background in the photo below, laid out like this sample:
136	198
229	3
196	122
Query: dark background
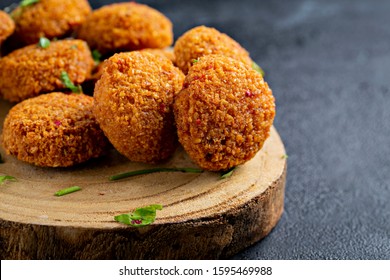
328	63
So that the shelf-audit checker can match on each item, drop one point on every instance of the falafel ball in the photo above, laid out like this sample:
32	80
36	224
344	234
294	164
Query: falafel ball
53	130
133	105
126	27
50	19
167	53
223	113
7	26
32	70
202	40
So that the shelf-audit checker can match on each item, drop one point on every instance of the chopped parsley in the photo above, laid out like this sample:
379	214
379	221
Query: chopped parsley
140	217
4	178
228	173
25	3
67	191
153	170
195	61
96	56
44	43
256	67
69	84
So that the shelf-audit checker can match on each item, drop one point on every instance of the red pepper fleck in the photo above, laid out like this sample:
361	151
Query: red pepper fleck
136	222
249	94
57	122
210	66
198	121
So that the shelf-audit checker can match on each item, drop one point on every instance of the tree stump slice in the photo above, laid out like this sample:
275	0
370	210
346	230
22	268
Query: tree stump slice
203	216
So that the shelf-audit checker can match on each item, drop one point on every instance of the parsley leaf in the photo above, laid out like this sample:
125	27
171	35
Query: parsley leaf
4	178
140	217
69	84
228	173
25	3
67	191
256	67
44	43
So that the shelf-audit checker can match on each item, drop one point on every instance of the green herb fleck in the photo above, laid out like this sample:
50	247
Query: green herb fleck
67	191
25	3
44	43
256	67
195	61
4	178
228	173
74	47
96	56
69	84
284	156
153	170
140	217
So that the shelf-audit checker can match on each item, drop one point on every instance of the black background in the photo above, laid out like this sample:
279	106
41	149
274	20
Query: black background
328	63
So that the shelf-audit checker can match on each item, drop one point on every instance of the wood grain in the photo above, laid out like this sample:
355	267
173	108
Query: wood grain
204	216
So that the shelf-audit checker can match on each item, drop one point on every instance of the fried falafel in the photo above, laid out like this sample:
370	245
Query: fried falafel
133	105
32	70
223	113
126	27
50	19
7	26
202	40
53	130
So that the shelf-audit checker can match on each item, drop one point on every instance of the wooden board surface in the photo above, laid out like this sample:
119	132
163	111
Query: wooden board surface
204	216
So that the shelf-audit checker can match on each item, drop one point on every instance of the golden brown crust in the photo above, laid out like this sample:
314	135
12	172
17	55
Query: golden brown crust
53	130
133	105
202	40
224	112
50	19
125	27
7	26
167	53
33	70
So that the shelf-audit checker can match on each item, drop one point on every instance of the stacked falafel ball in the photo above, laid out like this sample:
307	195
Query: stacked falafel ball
146	99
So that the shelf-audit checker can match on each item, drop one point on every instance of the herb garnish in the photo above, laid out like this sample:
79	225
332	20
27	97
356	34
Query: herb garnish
25	3
69	84
227	173
140	217
44	43
285	156
256	67
4	178
194	61
67	191
96	55
153	170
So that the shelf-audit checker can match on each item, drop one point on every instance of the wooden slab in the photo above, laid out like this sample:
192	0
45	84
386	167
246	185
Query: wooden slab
204	216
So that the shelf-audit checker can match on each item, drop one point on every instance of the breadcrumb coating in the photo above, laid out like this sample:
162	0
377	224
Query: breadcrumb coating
133	105
223	113
7	26
202	40
53	130
32	70
50	19
126	27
